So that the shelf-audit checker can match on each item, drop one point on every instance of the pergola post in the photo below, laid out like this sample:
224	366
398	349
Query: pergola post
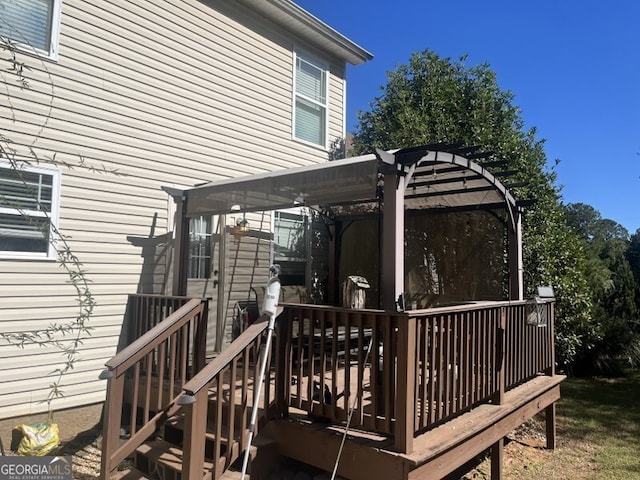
180	246
516	283
393	240
180	242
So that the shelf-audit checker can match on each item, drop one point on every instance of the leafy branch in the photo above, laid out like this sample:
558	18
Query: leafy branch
66	336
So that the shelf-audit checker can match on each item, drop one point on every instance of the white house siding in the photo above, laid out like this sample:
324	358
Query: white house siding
161	93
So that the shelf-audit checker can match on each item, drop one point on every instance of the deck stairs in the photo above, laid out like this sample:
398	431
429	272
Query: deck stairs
161	456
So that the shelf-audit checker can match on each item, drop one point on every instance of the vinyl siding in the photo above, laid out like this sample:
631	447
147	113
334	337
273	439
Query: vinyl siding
168	93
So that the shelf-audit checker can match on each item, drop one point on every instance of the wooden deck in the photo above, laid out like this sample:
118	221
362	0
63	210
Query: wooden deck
422	392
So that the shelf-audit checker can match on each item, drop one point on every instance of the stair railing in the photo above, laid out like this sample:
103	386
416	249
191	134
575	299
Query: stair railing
147	376
219	397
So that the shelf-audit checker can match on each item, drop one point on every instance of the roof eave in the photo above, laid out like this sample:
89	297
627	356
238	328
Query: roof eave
305	25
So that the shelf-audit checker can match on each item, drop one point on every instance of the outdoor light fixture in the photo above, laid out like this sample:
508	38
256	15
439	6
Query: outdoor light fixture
241	227
185	399
536	309
299	201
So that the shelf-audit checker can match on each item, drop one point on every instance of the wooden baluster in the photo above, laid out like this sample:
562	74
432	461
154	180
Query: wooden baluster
498	397
200	336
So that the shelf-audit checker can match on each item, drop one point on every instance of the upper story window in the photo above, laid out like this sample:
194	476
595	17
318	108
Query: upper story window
32	24
310	100
29	200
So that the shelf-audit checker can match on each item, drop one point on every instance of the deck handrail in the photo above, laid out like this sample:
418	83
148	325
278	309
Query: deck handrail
221	389
145	310
463	306
235	348
149	373
146	343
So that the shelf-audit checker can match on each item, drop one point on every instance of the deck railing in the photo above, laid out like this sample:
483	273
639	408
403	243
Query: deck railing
220	398
397	374
529	347
145	311
403	373
145	378
457	362
338	360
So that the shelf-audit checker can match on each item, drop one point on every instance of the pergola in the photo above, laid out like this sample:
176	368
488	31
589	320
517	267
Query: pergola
439	177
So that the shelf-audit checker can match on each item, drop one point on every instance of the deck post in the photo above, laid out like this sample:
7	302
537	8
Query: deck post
283	354
200	337
497	459
405	393
195	425
551	369
498	397
550	420
112	418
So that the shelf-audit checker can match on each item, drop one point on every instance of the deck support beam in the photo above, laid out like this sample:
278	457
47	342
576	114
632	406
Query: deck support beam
497	459
550	420
450	447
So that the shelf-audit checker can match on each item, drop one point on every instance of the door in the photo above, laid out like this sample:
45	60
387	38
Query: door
203	275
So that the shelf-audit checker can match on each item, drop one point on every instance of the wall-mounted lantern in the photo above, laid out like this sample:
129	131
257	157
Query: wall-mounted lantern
536	308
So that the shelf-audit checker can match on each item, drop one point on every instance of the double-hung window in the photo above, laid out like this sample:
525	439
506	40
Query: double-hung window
310	114
29	199
32	24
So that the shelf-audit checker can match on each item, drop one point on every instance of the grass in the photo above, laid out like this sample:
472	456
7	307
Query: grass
605	414
598	434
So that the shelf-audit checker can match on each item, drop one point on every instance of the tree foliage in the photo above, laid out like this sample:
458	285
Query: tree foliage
433	99
615	340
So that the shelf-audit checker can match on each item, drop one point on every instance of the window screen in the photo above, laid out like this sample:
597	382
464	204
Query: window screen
27	210
310	101
29	22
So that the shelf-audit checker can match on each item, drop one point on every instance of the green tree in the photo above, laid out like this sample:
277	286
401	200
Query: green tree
615	340
633	256
433	99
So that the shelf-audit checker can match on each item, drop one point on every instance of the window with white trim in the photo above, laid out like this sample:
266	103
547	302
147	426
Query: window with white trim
310	100
291	245
200	247
32	24
29	199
